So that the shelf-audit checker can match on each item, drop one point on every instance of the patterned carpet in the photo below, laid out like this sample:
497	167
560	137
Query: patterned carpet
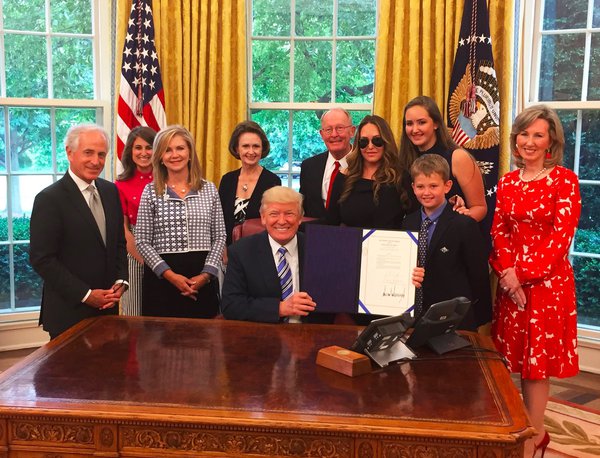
574	430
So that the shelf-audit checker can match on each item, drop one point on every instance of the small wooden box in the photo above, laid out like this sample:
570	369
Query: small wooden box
343	361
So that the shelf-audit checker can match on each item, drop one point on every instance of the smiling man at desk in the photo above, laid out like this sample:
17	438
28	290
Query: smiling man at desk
264	271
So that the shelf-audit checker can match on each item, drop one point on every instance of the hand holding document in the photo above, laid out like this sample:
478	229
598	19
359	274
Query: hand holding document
352	270
387	262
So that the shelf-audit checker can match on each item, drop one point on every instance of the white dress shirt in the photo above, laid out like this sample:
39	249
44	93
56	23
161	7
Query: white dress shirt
329	166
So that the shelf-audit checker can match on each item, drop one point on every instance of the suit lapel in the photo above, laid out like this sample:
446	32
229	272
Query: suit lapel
76	199
440	228
269	268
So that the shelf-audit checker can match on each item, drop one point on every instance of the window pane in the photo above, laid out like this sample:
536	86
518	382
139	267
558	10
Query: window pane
586	284
561	67
26	70
71	16
271	18
594	74
65	118
587	237
24	189
312	71
306	140
270	71
4	279
24	15
275	123
565	14
3	211
314	18
296	181
356	17
568	120
596	18
357	117
30	140
589	156
73	68
28	284
285	178
2	144
355	72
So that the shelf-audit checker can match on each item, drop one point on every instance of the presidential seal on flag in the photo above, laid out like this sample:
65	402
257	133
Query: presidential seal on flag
474	107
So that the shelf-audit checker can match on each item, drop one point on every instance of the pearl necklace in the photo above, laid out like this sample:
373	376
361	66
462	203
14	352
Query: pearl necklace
183	189
522	171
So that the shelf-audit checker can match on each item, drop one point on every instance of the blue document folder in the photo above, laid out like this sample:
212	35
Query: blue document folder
332	267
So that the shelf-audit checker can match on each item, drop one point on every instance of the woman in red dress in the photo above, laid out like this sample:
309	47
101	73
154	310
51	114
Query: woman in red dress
137	173
537	210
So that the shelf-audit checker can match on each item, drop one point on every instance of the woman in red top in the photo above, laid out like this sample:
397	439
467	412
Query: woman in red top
537	211
137	173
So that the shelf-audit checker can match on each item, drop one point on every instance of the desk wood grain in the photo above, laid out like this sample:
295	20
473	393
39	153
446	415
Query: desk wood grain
149	387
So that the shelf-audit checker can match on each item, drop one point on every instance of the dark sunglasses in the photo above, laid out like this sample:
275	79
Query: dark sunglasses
377	142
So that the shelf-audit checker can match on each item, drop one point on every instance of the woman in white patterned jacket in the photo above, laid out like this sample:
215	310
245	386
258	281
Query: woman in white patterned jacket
180	232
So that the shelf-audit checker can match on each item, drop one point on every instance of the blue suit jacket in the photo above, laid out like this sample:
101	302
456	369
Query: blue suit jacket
251	290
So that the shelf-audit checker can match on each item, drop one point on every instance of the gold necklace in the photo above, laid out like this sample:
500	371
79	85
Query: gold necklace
522	171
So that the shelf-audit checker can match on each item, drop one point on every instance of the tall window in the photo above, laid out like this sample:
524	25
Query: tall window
566	75
305	56
48	81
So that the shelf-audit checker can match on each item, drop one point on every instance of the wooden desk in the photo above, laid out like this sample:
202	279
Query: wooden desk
145	387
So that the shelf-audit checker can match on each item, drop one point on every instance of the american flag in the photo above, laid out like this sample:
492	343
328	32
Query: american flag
141	96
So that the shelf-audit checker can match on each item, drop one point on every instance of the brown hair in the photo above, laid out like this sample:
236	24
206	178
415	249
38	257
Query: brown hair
408	151
389	172
248	127
145	133
428	164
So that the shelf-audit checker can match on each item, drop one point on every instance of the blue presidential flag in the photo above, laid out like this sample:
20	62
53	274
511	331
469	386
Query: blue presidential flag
474	100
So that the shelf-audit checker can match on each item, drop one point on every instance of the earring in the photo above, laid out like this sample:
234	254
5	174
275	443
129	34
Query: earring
548	155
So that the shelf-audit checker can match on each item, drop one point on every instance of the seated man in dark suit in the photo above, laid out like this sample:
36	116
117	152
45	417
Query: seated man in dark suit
77	237
262	282
318	172
455	255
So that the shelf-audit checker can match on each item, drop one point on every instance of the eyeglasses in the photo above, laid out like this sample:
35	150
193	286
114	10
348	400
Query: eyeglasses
377	142
338	129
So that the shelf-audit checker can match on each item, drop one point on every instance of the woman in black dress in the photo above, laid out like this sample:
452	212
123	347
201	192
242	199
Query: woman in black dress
240	191
425	133
375	190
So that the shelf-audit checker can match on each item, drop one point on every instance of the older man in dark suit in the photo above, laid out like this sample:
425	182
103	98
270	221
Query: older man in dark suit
318	172
262	282
77	239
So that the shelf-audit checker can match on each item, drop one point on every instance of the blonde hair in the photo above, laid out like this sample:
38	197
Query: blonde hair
281	195
555	131
161	143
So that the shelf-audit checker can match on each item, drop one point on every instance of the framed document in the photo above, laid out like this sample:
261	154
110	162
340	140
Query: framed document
352	270
387	261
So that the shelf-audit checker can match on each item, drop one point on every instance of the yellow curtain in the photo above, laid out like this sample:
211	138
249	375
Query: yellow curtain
201	45
416	44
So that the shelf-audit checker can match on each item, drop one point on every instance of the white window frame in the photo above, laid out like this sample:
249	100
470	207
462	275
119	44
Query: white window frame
292	106
531	18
